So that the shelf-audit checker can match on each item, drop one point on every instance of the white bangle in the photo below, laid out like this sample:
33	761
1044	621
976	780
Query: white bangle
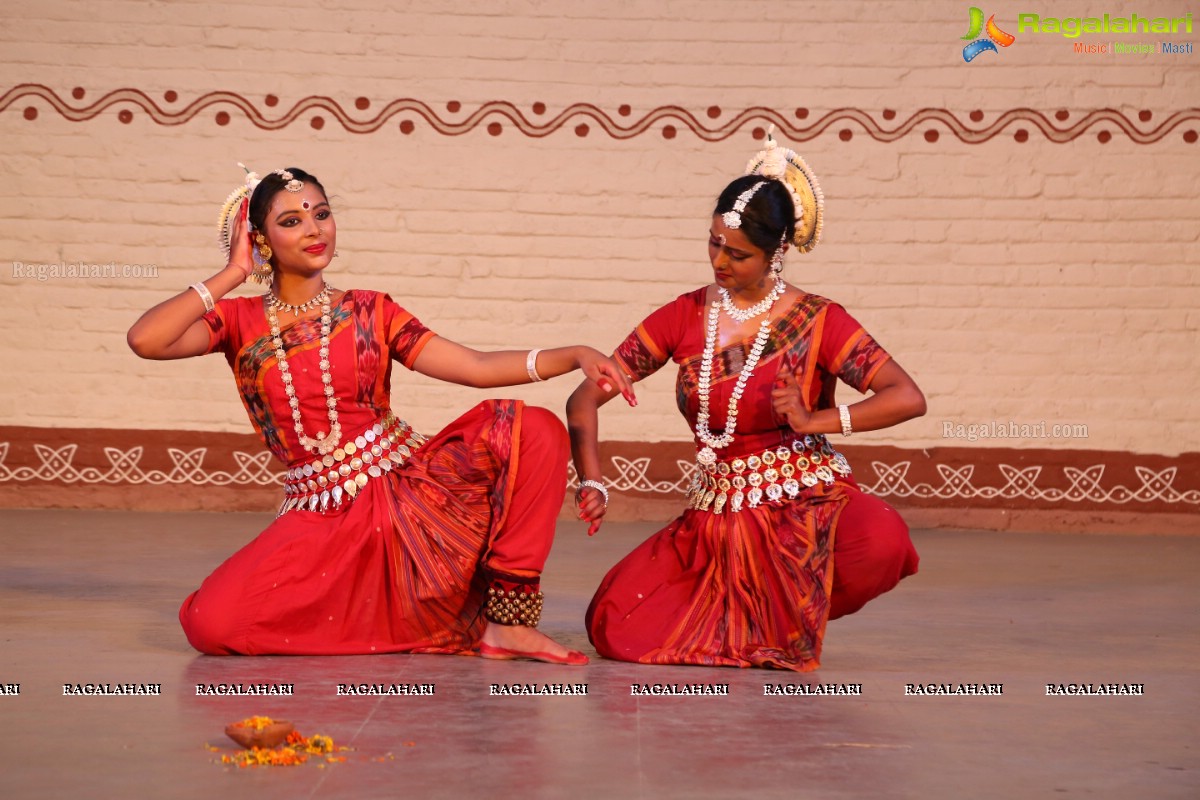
205	296
844	414
589	484
531	365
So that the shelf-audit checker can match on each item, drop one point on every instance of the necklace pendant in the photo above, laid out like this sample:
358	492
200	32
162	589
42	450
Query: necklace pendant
706	457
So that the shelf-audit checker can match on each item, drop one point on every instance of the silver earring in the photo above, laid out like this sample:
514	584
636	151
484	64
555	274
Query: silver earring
777	258
777	262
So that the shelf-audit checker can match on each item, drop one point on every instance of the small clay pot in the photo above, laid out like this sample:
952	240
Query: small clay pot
270	736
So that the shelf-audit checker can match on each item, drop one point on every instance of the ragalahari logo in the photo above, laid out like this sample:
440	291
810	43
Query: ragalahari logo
994	37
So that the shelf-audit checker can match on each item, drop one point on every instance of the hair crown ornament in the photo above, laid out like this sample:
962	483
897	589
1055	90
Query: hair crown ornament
233	204
785	166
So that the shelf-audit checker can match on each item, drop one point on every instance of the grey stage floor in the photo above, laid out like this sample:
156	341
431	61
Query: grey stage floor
92	597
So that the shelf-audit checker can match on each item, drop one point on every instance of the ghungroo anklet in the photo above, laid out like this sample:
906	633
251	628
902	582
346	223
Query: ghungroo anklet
514	602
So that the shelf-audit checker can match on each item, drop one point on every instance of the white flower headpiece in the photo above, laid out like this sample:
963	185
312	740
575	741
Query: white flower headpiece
233	204
785	166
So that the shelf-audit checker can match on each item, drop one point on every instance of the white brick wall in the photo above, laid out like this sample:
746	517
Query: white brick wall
1016	281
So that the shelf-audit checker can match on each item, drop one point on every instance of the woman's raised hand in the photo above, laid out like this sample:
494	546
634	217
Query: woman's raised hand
787	401
241	245
606	373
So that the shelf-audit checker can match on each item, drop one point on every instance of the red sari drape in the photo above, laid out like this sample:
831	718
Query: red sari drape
756	587
402	567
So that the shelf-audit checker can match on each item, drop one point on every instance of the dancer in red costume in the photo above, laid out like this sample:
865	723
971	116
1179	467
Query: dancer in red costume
387	540
778	538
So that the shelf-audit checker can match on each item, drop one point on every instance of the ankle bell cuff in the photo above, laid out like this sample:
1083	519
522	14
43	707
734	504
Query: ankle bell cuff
514	602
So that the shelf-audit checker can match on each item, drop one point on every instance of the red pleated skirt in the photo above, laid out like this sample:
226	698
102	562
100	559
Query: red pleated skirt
749	589
396	570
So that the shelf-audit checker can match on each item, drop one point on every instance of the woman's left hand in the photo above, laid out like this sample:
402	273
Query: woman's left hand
606	373
787	402
592	508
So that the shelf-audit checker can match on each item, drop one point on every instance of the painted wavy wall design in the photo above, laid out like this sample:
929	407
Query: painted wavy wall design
498	117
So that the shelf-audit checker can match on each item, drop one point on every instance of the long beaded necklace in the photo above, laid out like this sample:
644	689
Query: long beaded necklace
323	443
712	443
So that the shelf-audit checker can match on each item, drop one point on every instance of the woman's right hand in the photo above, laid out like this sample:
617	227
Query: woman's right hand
591	508
788	403
605	373
241	244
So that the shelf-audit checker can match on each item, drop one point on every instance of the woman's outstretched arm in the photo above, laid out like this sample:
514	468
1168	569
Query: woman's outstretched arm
449	361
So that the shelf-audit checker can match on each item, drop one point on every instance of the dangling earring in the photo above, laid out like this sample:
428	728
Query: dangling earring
777	258
264	249
262	260
777	261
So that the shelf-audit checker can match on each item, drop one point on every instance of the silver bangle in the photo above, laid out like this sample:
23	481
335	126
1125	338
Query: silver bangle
205	296
597	485
844	414
531	365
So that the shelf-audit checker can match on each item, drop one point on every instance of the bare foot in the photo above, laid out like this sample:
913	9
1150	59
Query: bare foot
519	641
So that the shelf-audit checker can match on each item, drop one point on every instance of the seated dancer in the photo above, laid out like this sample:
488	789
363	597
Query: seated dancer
777	538
387	540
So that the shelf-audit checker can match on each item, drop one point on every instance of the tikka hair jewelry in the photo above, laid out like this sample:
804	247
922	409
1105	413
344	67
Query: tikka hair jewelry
707	454
323	444
290	182
733	217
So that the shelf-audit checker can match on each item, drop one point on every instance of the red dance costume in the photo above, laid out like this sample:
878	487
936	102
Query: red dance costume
754	586
392	546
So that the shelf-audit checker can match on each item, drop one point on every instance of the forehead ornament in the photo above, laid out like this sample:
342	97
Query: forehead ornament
290	182
733	217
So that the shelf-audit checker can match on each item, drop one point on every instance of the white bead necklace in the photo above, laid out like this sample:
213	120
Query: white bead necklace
707	454
323	443
761	307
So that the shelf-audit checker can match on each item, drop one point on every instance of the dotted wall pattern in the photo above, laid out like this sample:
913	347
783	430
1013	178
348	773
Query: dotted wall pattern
498	117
